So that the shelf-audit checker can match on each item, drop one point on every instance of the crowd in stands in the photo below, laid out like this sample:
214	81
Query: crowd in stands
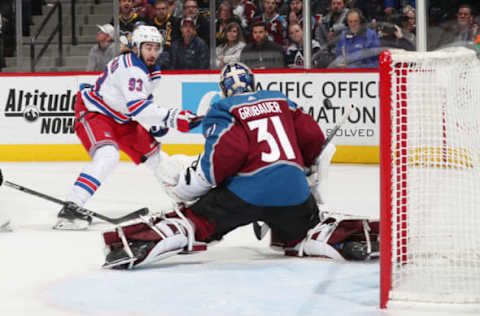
270	33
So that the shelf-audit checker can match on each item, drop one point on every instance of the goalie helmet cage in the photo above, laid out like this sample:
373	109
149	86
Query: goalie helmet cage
430	178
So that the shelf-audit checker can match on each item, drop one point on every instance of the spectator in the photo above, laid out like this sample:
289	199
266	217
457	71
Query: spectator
295	13
245	10
167	24
466	30
294	52
462	33
190	51
230	51
391	35
262	53
144	9
104	51
128	18
358	46
202	27
275	23
327	33
410	23
396	5
225	16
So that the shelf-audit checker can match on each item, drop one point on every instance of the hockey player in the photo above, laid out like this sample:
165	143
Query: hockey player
257	146
116	114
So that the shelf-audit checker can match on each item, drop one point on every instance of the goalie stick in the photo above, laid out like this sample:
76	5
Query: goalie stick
261	230
118	220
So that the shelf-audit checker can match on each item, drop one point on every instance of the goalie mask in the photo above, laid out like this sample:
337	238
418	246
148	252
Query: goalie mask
143	34
236	78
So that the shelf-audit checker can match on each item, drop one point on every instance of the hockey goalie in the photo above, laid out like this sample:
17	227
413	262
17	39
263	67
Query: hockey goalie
258	145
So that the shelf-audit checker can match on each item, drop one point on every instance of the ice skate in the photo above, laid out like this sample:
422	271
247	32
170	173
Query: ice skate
69	218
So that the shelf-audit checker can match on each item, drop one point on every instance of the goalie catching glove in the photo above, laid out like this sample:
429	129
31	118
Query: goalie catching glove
184	121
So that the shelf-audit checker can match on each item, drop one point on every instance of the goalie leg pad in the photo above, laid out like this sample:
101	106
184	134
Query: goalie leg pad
148	240
340	237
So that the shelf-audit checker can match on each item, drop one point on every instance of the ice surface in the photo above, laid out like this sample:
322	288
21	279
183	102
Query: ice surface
46	272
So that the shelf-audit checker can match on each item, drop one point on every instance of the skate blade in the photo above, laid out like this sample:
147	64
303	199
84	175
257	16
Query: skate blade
117	264
66	224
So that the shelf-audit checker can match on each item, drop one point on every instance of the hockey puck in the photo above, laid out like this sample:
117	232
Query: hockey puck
327	104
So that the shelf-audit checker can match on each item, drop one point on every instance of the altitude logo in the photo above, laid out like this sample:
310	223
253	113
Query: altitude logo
198	96
53	111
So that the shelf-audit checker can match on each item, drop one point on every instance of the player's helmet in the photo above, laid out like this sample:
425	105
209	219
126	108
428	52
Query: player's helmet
145	33
236	78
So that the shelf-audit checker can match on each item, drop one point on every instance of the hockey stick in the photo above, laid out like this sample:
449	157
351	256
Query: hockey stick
261	230
118	220
328	105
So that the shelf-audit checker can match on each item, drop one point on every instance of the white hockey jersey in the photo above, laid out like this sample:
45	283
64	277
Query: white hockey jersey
124	92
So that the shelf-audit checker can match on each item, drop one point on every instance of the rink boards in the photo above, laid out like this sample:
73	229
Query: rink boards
36	110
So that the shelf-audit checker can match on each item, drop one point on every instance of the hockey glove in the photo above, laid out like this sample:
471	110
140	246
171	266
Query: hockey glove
183	121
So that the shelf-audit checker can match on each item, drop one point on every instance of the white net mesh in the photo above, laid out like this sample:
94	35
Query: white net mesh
435	176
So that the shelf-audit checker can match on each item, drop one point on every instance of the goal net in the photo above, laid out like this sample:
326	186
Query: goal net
430	176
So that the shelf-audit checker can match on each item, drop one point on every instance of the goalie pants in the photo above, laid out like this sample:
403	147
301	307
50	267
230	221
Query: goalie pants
226	211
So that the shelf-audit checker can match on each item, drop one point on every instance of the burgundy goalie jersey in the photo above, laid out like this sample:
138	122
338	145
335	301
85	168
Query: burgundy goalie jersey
258	145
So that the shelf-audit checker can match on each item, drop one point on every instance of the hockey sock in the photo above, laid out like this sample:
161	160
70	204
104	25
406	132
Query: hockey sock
105	159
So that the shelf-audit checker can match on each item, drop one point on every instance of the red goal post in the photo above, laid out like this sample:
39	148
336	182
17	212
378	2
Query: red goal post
430	177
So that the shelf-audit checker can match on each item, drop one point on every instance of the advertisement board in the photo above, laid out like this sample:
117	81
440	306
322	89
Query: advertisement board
37	117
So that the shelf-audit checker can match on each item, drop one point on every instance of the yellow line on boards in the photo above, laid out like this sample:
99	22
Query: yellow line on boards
64	152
